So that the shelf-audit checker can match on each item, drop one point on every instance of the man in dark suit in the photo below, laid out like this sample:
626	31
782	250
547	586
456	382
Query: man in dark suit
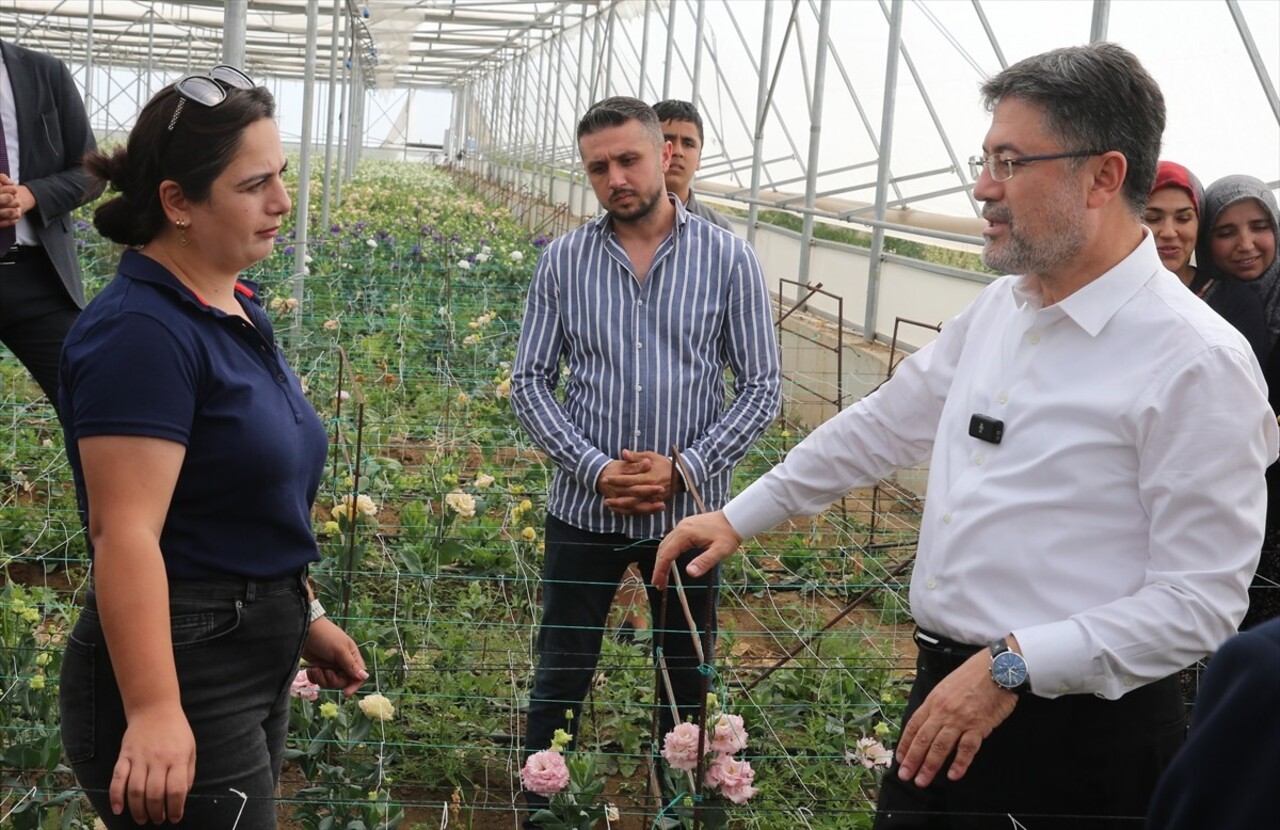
1227	775
45	135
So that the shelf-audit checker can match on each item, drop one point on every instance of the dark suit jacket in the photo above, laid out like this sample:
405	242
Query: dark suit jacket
53	136
1227	775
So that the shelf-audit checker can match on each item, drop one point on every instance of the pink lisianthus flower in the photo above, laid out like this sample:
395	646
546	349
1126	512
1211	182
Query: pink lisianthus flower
728	735
680	747
732	777
870	753
545	773
303	687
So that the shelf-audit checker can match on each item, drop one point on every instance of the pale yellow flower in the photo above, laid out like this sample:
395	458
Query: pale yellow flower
484	481
377	707
339	511
37	682
526	506
328	710
366	505
503	389
330	528
462	397
464	504
528	534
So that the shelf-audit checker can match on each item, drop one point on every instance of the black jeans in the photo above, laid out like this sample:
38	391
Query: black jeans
236	643
1077	762
580	576
35	315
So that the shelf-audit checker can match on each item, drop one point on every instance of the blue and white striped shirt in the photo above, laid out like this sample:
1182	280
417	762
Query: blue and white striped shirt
644	364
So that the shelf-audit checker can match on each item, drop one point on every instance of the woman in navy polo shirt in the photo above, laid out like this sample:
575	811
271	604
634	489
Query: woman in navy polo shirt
196	460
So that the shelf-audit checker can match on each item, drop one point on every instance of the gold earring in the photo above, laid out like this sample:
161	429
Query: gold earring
182	225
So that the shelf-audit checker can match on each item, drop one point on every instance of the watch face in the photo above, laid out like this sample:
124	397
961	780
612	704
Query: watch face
1009	670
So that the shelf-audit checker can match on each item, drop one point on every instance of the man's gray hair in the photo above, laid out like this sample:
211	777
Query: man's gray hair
616	111
1095	97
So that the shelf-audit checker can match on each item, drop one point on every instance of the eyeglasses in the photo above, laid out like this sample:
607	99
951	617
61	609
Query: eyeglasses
208	90
1001	169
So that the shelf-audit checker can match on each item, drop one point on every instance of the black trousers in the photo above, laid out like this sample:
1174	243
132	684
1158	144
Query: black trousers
1077	762
35	315
236	646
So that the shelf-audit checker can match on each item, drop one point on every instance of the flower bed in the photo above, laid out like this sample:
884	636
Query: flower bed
431	540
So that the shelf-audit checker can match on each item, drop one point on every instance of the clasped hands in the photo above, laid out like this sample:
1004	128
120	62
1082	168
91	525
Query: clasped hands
638	484
15	200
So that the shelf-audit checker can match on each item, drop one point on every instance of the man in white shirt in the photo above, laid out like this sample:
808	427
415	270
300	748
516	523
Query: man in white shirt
1097	439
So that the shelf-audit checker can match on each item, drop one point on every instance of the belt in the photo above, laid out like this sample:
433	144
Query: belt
941	655
19	253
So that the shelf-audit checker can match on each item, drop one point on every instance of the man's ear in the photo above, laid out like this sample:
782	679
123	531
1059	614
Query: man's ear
1107	184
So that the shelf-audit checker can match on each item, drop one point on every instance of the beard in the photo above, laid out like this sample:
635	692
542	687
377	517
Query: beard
643	205
1038	242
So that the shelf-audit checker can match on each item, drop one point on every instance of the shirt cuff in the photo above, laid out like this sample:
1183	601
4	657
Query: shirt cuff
590	468
692	463
1057	662
754	510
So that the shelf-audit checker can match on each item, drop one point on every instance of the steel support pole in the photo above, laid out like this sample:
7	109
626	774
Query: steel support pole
233	31
555	113
300	224
332	106
339	166
1101	15
644	51
815	138
595	67
575	168
762	110
88	67
1246	36
882	173
671	48
698	28
991	35
611	25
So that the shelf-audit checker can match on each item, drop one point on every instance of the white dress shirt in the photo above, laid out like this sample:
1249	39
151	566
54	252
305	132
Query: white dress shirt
1115	528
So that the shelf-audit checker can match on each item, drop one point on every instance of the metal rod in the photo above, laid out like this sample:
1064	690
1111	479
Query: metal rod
671	45
882	187
1098	25
991	35
757	139
815	136
1246	36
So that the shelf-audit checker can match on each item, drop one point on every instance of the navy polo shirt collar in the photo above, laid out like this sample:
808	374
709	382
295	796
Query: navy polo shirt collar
135	265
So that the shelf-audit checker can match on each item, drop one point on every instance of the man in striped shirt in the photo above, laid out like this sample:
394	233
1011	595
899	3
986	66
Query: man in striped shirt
639	311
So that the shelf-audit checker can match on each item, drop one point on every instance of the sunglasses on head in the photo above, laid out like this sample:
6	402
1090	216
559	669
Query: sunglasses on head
209	90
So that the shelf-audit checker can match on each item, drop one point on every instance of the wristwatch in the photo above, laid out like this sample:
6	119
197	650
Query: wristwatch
1008	669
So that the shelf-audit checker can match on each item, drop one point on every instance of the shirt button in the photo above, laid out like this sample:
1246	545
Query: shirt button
1128	682
639	388
1002	399
946	518
979	459
1033	338
637	433
933	583
280	377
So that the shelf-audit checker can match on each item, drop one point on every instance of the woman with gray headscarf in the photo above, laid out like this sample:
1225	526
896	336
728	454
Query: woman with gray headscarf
1239	229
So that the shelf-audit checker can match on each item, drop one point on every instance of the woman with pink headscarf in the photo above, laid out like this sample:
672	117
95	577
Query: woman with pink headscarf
1173	215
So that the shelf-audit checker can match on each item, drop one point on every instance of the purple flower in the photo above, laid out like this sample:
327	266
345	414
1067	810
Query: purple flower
541	242
288	250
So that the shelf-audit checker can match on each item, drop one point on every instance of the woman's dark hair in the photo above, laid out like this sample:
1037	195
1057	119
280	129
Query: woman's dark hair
200	146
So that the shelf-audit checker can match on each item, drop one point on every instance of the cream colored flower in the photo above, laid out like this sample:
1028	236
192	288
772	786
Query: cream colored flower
484	481
503	389
366	505
516	256
528	534
526	506
331	528
328	710
339	511
464	504
330	325
462	397
471	340
377	707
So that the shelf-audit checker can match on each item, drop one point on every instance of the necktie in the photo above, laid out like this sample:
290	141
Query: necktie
9	235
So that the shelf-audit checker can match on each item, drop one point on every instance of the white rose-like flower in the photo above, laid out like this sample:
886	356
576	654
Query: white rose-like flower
464	504
377	707
482	257
486	250
464	265
366	505
484	481
503	389
372	243
516	256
